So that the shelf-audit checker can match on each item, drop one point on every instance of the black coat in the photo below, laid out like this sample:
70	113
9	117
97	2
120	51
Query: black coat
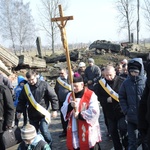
113	110
43	94
61	91
6	108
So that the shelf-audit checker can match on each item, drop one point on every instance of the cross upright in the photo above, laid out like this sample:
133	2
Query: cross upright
63	20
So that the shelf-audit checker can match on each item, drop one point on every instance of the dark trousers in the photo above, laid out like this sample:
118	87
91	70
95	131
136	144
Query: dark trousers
118	129
135	138
2	146
148	138
42	125
63	122
24	118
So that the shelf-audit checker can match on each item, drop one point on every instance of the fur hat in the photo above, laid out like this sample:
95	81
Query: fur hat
77	77
28	132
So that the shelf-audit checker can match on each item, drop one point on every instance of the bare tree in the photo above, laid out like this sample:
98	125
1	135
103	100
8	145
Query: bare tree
48	10
126	15
7	21
25	29
146	9
138	20
17	24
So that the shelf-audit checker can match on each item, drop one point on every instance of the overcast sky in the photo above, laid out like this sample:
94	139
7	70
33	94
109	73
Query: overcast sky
93	20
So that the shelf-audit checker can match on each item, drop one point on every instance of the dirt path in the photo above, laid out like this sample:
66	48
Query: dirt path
60	143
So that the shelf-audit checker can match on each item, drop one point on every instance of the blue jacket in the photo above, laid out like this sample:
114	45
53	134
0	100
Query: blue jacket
18	89
131	91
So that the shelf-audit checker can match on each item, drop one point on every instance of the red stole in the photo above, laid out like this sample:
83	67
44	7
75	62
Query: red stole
83	126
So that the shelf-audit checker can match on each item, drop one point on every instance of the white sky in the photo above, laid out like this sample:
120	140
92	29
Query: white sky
93	20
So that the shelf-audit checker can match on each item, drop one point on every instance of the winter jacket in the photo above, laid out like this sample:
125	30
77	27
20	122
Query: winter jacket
5	81
6	108
113	110
43	94
38	144
131	91
18	89
92	73
144	106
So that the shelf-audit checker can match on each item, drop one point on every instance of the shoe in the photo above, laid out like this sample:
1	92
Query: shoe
63	134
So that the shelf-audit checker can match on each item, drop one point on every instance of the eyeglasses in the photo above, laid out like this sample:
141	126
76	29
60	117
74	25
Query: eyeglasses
61	73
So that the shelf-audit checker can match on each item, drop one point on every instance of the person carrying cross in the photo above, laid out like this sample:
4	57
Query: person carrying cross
83	131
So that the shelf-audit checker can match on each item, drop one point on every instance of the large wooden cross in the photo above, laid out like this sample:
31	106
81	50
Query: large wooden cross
63	21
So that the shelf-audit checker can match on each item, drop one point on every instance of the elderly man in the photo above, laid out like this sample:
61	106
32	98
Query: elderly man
83	112
108	88
92	74
62	88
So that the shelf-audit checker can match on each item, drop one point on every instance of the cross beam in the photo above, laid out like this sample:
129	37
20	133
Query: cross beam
63	20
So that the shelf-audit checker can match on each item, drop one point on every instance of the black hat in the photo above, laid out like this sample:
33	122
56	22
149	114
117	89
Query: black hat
134	66
77	77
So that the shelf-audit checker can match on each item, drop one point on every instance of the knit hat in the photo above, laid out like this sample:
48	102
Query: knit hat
28	132
134	66
77	77
81	64
91	60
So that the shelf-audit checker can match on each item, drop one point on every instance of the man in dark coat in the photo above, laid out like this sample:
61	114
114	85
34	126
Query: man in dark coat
130	95
144	110
62	88
107	91
91	75
6	111
38	95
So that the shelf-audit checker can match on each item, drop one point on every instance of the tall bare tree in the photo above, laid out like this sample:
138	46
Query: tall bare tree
25	29
138	20
48	10
146	9
7	21
17	24
126	16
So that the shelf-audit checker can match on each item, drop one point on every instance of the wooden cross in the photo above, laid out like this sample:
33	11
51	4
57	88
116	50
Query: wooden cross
63	21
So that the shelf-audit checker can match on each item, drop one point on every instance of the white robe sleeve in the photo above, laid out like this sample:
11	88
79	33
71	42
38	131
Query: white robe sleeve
64	108
91	115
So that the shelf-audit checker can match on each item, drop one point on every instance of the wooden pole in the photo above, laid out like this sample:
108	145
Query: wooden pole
63	20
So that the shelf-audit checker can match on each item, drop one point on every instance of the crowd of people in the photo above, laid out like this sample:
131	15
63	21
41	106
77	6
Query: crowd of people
121	89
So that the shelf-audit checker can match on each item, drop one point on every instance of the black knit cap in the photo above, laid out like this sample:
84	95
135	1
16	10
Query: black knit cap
134	66
77	77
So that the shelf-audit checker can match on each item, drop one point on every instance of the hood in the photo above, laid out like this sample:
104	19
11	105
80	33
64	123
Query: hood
21	79
139	63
